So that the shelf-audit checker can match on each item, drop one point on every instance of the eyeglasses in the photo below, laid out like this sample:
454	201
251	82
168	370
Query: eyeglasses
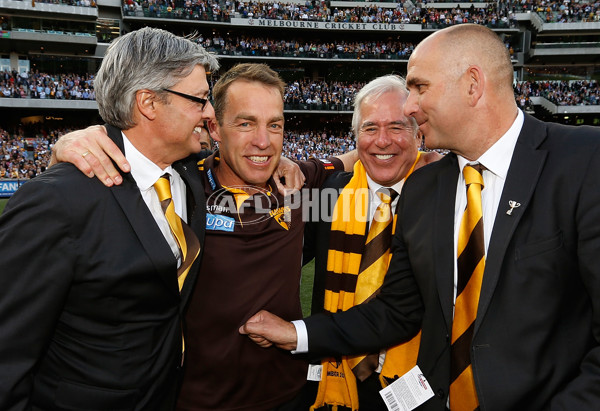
199	100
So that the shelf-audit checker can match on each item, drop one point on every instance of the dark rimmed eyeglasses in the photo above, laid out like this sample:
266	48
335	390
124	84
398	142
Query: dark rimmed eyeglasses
199	100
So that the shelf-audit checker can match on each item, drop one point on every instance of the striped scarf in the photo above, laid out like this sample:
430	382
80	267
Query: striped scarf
346	245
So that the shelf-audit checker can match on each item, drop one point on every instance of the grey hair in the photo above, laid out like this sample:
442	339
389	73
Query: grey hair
390	83
148	58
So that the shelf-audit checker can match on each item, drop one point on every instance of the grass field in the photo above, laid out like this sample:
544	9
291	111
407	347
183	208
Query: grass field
3	202
306	286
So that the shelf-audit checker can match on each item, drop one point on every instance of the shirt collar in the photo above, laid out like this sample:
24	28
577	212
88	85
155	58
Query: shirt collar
144	171
373	186
497	158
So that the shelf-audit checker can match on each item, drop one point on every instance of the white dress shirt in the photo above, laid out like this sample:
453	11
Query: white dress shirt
146	173
496	161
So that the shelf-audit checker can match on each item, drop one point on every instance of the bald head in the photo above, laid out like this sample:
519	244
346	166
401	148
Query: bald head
460	83
473	44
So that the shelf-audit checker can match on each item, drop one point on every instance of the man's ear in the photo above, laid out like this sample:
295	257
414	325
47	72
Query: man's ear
145	101
213	129
476	83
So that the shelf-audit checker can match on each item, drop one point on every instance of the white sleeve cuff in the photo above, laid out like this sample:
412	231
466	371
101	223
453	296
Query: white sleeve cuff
302	337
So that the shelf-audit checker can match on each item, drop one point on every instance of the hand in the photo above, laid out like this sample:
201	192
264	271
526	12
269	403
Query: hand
89	150
349	159
294	178
266	329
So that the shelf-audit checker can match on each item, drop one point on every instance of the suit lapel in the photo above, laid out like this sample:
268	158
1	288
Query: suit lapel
444	236
524	171
135	209
188	170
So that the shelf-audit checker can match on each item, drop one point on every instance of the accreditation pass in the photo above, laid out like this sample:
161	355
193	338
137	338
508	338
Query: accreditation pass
407	392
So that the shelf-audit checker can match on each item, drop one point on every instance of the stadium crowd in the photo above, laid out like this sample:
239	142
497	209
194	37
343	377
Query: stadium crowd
252	46
81	3
299	95
25	151
490	15
567	12
318	11
320	95
205	10
562	93
34	84
495	14
300	145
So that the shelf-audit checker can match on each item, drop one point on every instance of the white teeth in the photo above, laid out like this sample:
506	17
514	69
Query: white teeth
258	159
197	129
383	156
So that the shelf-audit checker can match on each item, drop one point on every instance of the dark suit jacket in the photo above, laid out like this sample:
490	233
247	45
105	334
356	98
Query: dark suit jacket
537	333
91	311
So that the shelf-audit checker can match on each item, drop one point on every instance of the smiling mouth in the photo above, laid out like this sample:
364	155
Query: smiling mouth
198	129
384	156
258	159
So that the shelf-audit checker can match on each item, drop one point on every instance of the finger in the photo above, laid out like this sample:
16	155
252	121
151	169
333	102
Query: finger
293	184
78	160
104	151
71	151
102	167
85	149
250	327
112	151
300	180
280	187
260	341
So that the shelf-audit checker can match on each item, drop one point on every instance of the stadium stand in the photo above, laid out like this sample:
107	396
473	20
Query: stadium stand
324	50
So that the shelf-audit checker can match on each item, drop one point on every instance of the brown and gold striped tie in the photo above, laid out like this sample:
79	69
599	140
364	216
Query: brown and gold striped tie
373	267
471	263
188	243
376	256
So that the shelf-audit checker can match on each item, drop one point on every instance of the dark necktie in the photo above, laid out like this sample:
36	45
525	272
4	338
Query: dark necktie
187	241
373	267
471	264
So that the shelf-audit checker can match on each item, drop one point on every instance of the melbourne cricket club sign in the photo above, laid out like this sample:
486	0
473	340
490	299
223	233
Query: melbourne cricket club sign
324	25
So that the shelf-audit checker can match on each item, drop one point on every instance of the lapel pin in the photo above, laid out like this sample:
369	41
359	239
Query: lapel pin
513	205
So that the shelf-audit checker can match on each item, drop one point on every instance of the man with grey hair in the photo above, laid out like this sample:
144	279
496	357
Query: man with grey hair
387	146
94	278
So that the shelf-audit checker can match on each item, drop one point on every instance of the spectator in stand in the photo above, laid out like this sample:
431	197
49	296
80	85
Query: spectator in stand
301	145
43	85
245	45
501	14
305	94
562	93
25	151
